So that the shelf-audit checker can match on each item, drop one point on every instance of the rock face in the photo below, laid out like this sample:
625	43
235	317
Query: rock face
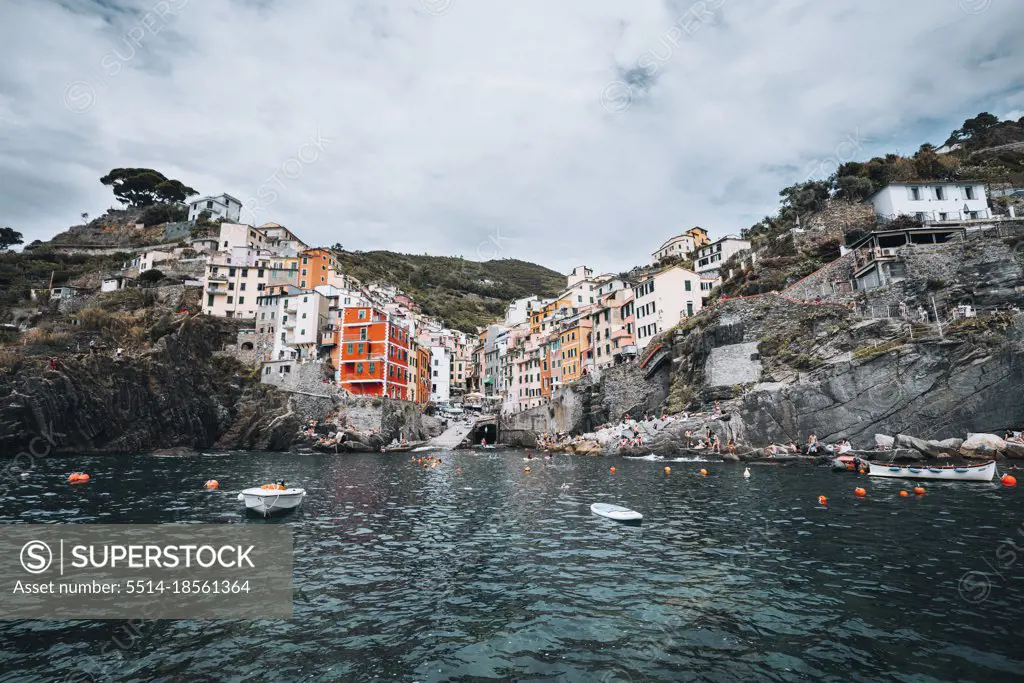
933	390
177	395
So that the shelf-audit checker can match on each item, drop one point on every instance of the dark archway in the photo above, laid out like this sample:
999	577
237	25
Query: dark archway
487	430
247	346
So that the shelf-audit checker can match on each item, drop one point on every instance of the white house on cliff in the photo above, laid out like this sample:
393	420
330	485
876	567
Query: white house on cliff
933	201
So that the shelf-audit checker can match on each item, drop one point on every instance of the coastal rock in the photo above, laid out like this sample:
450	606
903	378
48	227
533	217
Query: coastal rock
905	441
944	448
179	451
884	442
982	446
1014	450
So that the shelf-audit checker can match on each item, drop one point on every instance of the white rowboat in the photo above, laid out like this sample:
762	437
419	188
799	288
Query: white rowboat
616	512
269	501
983	472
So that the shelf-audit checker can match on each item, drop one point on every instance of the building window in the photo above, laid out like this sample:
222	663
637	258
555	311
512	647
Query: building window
939	194
362	348
350	349
689	309
241	299
688	286
915	194
359	368
373	368
362	314
231	272
209	300
302	332
969	192
231	299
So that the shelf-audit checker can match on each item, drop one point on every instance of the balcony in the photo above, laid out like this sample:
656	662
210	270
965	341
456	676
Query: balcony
215	290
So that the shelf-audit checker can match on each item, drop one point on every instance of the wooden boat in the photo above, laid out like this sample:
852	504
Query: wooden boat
616	512
270	498
982	472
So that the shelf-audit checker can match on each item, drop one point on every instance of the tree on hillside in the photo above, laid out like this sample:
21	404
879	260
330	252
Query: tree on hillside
975	127
85	216
853	188
140	187
803	198
9	237
151	276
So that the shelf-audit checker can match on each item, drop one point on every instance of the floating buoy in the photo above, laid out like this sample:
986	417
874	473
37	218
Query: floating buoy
746	473
904	494
919	490
822	500
78	478
526	469
668	470
241	496
703	473
612	469
859	492
1009	480
212	484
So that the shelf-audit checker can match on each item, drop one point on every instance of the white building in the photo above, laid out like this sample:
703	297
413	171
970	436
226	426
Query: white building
301	318
933	202
147	260
237	235
222	206
579	273
281	240
116	282
711	257
229	290
440	374
519	310
662	300
679	246
610	284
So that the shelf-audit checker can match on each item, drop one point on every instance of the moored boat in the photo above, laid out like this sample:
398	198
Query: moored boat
616	512
271	498
982	472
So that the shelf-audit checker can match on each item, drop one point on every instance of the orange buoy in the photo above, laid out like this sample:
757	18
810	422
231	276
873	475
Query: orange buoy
904	494
1009	480
668	470
527	469
822	500
703	473
919	490
78	478
212	484
612	469
859	492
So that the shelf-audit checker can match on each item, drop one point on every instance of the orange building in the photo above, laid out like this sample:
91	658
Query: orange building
371	354
314	266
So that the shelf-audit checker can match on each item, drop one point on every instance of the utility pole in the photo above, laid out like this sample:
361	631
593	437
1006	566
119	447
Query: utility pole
938	322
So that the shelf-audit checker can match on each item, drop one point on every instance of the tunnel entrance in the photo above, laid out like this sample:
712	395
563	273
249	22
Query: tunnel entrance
485	430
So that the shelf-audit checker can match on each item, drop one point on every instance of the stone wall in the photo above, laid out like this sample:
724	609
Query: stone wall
832	222
733	364
829	283
306	377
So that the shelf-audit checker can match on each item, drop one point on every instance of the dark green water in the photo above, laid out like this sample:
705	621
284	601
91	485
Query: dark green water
493	574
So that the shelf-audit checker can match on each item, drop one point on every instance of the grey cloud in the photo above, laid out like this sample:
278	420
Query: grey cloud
474	116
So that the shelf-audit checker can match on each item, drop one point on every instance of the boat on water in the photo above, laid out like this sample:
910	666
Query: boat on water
616	512
271	498
983	472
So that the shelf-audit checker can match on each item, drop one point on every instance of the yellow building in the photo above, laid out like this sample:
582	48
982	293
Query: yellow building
574	342
700	237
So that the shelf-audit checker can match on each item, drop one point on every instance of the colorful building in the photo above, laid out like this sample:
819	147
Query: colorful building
371	354
315	264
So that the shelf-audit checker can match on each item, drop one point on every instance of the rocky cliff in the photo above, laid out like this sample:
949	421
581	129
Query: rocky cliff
176	393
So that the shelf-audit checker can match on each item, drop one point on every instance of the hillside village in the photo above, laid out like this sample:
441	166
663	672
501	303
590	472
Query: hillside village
304	321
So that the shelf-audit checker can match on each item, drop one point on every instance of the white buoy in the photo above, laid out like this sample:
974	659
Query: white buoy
241	497
746	473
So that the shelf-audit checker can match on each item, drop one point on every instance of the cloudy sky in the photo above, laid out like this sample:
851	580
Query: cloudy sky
576	131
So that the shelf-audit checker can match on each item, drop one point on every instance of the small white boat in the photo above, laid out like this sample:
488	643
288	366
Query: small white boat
746	473
983	472
616	512
267	501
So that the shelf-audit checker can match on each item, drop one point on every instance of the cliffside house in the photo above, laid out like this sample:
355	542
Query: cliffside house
682	245
876	255
710	258
221	206
933	201
116	282
663	299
